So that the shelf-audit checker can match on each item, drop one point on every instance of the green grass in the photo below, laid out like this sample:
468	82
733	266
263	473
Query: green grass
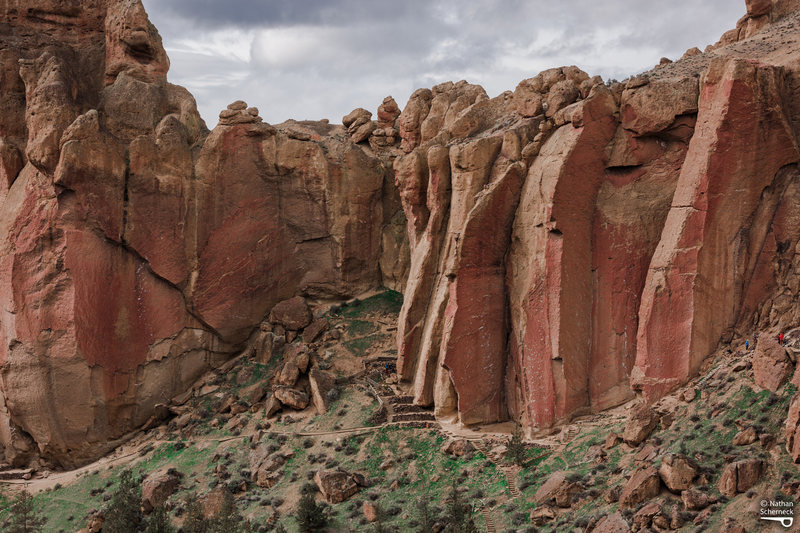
384	302
360	347
359	328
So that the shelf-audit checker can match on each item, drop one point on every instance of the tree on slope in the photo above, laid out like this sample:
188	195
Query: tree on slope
158	522
124	514
24	517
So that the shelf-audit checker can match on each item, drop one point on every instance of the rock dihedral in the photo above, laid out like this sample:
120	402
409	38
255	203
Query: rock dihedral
137	248
571	242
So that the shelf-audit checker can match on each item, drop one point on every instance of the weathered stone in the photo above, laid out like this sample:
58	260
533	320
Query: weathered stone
687	321
457	447
677	472
792	429
557	489
542	514
321	383
745	437
613	523
315	329
271	406
653	107
643	485
288	374
370	511
293	314
695	500
644	516
740	476
388	112
157	488
291	397
641	422
771	365
335	486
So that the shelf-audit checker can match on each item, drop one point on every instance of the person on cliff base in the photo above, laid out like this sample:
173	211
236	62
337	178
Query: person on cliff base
780	338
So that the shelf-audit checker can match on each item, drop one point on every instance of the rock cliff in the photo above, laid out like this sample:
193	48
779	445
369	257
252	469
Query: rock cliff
561	247
574	243
137	248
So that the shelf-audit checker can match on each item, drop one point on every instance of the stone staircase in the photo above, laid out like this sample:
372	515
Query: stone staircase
487	516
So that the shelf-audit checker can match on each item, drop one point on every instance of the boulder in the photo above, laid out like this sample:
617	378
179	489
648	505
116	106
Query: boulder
291	397
356	117
641	422
695	500
315	329
562	94
288	374
740	476
388	112
252	394
157	488
792	429
771	364
678	472
653	107
557	489
612	439
527	99
643	485
745	437
321	383
370	511
457	447
293	314
302	361
335	486
613	523
644	516
542	514
271	406
756	8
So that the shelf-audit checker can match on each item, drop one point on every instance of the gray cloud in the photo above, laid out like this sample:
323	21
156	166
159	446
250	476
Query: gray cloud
320	59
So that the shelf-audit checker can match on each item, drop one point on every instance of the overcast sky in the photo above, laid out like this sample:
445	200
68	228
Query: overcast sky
313	59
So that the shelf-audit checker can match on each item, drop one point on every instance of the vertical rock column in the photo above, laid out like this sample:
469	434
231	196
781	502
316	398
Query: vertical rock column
549	274
695	283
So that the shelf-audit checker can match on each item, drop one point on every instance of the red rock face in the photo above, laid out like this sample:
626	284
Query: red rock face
130	264
549	275
649	226
694	287
570	243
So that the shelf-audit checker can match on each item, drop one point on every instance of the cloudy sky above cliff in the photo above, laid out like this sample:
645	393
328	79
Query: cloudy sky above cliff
313	59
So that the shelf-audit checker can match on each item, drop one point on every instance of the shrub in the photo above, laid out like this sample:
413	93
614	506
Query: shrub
458	514
194	522
310	515
515	451
159	521
124	514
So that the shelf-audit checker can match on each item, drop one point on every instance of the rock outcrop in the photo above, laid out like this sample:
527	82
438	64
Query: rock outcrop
137	248
574	243
561	247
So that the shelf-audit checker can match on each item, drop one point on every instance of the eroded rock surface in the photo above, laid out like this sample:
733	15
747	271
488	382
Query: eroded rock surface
561	247
138	249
